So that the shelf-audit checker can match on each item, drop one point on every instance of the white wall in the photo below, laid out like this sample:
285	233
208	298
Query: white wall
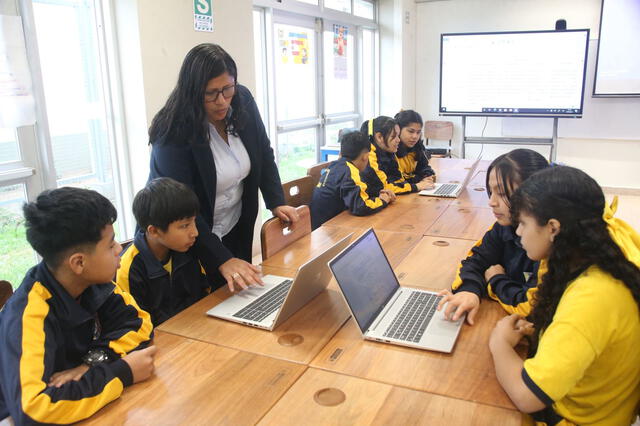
611	162
153	38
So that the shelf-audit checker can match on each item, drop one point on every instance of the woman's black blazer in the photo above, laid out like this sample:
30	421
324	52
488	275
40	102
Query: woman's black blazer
193	165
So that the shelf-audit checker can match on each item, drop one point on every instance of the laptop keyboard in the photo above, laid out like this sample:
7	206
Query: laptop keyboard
414	317
446	189
266	304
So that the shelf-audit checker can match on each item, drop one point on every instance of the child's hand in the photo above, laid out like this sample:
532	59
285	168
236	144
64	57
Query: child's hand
389	196
462	302
525	327
509	330
66	376
141	363
493	271
426	183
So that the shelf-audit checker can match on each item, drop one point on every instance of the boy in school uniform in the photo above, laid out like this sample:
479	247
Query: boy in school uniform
341	187
71	339
158	269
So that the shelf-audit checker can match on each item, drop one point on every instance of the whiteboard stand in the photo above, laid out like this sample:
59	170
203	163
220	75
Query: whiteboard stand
551	142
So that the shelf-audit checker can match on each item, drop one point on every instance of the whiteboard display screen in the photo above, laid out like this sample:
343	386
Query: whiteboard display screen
618	63
527	73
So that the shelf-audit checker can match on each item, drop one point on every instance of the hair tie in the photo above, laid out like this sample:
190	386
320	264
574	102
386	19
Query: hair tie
371	127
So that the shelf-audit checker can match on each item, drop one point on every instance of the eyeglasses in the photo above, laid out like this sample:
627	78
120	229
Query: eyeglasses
226	92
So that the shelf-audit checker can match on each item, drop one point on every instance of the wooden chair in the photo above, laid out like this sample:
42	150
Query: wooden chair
439	130
276	234
297	192
6	290
316	171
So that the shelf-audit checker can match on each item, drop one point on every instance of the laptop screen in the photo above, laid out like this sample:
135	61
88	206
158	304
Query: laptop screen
365	278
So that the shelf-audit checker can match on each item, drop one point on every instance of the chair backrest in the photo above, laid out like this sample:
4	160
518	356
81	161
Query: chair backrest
298	192
439	130
316	171
276	235
6	290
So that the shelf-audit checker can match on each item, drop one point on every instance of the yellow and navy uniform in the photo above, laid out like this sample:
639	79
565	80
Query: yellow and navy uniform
515	289
413	163
341	188
163	290
44	330
383	173
586	366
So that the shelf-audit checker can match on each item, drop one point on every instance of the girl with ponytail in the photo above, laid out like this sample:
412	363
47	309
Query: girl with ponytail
383	172
585	322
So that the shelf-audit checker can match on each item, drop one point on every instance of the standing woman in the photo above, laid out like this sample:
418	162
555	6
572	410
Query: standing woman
209	136
412	158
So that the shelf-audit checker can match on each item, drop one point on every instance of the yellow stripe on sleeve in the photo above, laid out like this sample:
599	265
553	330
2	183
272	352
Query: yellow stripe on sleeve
133	338
355	177
457	282
373	163
122	276
35	403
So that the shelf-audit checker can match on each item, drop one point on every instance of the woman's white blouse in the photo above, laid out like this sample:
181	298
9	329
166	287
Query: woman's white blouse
232	166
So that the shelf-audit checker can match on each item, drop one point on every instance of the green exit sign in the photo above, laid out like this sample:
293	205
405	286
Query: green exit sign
203	15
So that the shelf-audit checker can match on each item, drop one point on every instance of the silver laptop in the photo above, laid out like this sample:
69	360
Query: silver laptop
450	190
270	305
383	310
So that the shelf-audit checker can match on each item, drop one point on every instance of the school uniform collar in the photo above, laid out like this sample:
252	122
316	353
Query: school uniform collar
153	266
71	311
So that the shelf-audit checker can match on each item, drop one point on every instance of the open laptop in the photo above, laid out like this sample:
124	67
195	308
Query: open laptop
383	310
270	305
450	190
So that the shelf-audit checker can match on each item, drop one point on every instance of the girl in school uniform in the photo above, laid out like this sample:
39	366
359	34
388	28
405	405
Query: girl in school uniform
383	171
585	321
497	266
412	157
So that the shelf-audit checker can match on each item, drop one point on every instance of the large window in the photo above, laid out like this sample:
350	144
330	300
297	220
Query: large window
318	76
72	142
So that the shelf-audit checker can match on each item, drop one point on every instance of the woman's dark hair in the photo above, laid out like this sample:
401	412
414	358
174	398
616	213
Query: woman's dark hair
183	119
574	199
513	168
383	125
353	144
162	202
408	116
66	218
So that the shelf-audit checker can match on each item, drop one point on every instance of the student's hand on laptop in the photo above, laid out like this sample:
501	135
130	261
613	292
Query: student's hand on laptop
141	363
458	304
426	183
493	271
240	273
73	374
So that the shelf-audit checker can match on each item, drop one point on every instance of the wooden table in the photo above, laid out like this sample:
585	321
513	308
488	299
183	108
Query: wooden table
368	402
433	263
467	373
200	383
469	223
215	371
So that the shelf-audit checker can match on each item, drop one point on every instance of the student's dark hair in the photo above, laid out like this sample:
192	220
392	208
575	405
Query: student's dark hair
574	199
513	168
162	202
408	116
66	218
353	144
183	119
382	124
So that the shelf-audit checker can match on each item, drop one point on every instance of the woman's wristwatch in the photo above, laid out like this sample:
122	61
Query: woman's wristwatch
95	356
